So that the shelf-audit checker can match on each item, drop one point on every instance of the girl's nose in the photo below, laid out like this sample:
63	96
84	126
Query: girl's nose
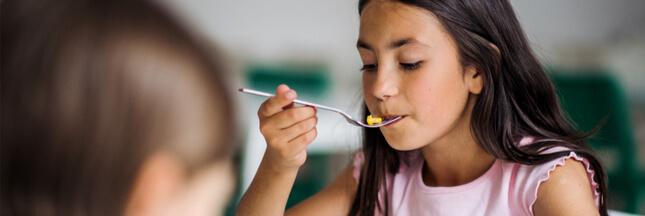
385	85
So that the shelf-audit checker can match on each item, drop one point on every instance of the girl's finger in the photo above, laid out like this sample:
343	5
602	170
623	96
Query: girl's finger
283	99
290	117
298	129
281	138
301	142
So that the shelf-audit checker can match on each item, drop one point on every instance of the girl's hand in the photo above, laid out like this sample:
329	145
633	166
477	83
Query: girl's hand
287	129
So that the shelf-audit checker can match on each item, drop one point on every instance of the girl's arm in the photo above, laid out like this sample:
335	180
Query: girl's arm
335	199
288	130
566	192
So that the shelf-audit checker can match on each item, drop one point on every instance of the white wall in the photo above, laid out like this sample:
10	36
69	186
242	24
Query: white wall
590	33
318	31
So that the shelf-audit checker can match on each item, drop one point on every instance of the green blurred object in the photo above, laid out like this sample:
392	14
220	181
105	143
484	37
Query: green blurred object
588	96
309	80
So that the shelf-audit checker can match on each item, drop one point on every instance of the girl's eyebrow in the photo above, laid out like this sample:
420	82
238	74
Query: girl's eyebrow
361	44
393	45
400	43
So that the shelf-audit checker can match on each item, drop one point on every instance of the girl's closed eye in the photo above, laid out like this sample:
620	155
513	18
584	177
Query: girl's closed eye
411	66
369	67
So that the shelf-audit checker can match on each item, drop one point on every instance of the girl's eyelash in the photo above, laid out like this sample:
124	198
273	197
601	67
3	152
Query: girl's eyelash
368	67
406	66
411	66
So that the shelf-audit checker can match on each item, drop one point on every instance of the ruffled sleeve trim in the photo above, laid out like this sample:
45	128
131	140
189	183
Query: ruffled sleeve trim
358	163
560	162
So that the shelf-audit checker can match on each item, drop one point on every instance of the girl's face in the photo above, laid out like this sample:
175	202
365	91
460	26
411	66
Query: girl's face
412	69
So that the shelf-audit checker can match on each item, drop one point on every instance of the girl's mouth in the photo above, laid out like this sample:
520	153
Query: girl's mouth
388	117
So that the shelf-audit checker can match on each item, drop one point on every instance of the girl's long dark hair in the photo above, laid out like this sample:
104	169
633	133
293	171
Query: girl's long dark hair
517	100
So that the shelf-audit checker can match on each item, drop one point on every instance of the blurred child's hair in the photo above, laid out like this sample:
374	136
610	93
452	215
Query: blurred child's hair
89	90
517	100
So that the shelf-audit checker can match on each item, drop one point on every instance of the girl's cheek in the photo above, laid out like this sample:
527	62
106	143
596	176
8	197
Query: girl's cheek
367	86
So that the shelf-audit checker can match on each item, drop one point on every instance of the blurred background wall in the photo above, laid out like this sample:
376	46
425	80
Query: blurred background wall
577	37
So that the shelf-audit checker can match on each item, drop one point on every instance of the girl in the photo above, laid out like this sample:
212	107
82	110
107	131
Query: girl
482	132
110	108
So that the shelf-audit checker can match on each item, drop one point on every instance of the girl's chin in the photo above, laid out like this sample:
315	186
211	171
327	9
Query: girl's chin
403	148
401	145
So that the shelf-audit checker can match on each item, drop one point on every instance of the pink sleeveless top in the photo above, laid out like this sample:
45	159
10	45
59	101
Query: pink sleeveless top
505	189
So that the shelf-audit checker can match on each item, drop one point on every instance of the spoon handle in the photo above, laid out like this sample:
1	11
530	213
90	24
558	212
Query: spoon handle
307	103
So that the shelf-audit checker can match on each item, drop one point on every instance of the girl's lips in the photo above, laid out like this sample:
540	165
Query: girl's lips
385	118
388	117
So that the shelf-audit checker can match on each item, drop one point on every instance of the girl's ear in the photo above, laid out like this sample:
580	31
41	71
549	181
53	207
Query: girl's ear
158	180
474	80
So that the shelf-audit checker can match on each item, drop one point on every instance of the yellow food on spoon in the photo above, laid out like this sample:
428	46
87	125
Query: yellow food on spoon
373	120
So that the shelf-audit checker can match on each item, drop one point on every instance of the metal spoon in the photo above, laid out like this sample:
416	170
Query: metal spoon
347	116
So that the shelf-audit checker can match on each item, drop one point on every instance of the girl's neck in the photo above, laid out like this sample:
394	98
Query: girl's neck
456	158
452	162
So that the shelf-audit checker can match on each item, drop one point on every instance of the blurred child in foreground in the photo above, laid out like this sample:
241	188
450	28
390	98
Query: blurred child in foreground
110	108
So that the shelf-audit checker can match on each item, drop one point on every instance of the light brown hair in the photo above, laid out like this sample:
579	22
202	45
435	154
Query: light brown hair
89	90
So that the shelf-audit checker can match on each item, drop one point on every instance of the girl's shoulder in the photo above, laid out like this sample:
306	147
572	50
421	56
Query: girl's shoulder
525	180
